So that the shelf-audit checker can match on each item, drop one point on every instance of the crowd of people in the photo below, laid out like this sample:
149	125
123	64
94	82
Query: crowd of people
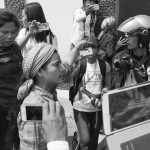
31	70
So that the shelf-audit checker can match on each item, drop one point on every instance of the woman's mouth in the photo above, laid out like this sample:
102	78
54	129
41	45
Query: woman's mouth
9	42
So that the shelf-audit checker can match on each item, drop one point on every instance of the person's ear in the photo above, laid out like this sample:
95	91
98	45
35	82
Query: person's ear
40	72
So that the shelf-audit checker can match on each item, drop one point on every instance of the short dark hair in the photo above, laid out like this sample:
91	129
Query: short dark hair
7	16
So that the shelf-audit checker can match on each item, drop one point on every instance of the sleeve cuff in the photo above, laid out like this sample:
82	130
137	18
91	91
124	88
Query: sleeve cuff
58	145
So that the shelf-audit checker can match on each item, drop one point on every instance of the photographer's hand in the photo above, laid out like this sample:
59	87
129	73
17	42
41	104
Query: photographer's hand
33	27
104	90
91	8
54	126
32	30
83	44
71	57
96	102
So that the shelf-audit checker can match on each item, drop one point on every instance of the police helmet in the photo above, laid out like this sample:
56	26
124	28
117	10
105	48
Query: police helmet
139	25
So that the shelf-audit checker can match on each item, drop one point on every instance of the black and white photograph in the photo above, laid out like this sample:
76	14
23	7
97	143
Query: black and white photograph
75	74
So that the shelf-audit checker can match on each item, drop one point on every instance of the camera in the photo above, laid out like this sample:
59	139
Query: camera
125	63
32	112
86	52
90	95
43	26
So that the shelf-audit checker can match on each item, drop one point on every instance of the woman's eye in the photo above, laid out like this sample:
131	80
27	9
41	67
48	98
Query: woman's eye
4	32
57	64
14	32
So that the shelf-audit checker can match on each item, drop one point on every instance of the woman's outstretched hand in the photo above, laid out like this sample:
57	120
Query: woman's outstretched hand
33	27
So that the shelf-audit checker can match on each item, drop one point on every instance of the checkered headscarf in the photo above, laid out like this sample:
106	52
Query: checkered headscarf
35	58
32	62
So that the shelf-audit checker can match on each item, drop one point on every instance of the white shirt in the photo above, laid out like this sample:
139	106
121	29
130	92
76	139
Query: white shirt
80	27
58	145
31	42
92	81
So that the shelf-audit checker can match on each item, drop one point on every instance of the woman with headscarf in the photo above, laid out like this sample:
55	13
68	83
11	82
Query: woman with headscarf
43	71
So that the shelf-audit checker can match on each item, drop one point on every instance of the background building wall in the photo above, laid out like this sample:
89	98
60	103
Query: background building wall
130	8
16	7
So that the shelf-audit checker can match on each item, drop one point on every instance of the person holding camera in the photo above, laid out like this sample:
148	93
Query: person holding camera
84	21
91	79
29	35
131	66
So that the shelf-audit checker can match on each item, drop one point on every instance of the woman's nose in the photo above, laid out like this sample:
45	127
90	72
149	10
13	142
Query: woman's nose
9	35
127	37
63	69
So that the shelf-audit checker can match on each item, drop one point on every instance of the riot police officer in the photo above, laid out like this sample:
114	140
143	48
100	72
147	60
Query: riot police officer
131	65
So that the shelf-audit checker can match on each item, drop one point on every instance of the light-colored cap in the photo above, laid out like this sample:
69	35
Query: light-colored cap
110	21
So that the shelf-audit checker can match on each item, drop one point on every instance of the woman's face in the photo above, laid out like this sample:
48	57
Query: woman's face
53	73
24	19
8	34
132	41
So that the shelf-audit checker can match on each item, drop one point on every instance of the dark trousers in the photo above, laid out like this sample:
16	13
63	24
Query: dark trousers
88	132
4	125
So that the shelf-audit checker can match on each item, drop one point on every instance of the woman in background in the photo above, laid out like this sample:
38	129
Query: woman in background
29	35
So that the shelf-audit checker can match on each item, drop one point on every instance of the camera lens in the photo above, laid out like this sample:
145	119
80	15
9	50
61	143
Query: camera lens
117	65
